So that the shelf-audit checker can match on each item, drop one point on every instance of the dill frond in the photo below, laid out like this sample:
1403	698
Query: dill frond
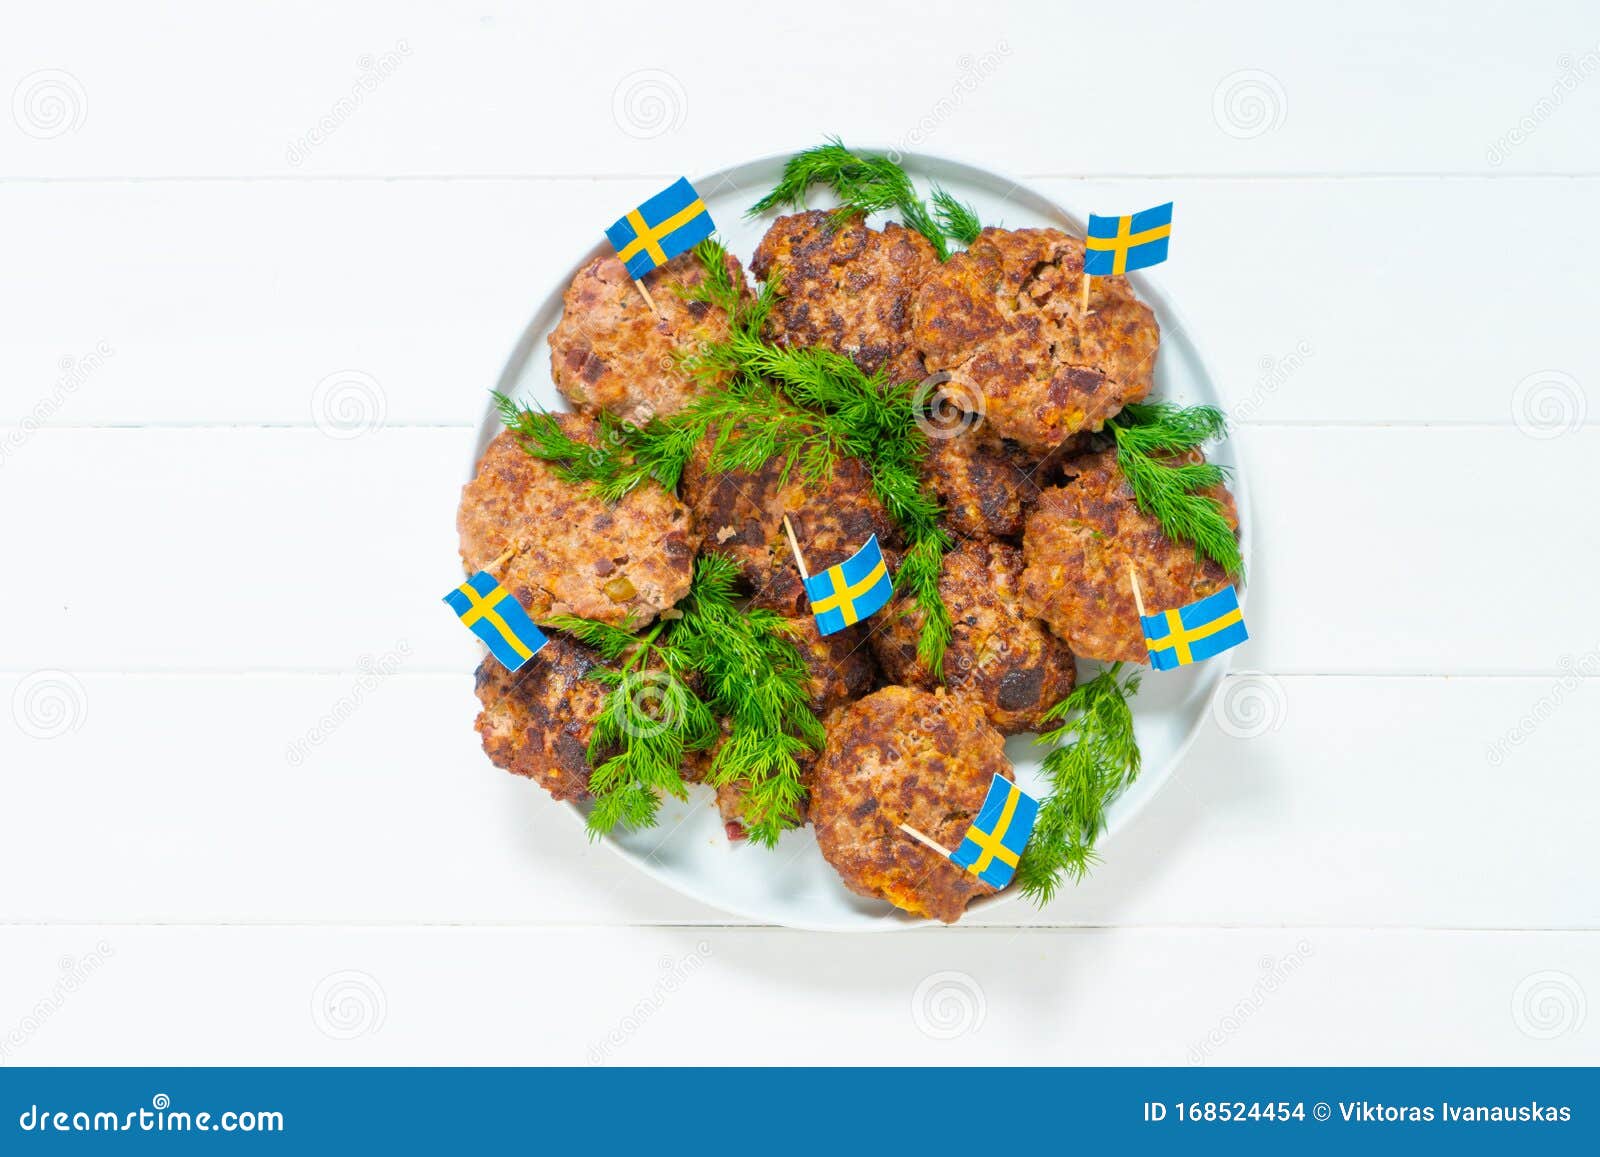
1093	758
863	183
750	671
956	218
1152	438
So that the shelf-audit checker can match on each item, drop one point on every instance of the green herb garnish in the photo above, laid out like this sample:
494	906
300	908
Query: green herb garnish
864	184
1093	758
750	672
1151	439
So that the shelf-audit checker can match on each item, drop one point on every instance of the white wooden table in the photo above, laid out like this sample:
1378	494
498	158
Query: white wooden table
260	266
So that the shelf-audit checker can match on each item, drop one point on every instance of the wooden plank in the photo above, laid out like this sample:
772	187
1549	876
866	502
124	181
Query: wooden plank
405	298
503	89
365	799
1380	551
679	996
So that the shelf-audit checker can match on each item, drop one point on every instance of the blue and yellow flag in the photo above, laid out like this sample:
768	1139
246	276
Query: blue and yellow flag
497	618
670	223
845	594
1118	245
996	838
1197	631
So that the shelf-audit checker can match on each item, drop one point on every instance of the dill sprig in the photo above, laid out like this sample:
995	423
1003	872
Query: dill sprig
1093	757
749	671
649	719
956	218
756	678
863	183
1152	439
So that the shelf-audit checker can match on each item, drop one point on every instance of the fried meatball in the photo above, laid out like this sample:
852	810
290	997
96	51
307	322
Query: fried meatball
536	722
1078	546
1004	320
609	352
984	482
847	289
1000	658
740	514
905	756
574	553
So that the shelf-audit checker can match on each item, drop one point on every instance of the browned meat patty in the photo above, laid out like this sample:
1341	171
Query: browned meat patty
999	657
576	555
1004	320
741	514
536	722
609	352
846	289
905	756
984	482
1078	546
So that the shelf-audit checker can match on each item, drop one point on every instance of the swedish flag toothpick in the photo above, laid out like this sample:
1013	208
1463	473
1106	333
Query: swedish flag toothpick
670	223
1118	245
498	619
992	847
1197	631
843	595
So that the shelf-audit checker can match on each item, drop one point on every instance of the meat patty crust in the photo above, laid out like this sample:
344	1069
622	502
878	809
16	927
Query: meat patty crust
536	722
574	553
1078	546
1000	658
847	289
984	482
1004	320
905	756
609	352
740	514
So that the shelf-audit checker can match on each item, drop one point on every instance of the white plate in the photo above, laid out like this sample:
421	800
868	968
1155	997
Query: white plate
792	885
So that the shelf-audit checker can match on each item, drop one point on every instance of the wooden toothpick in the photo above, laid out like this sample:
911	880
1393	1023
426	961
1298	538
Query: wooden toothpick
504	558
920	838
648	300
1087	282
799	559
1138	599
